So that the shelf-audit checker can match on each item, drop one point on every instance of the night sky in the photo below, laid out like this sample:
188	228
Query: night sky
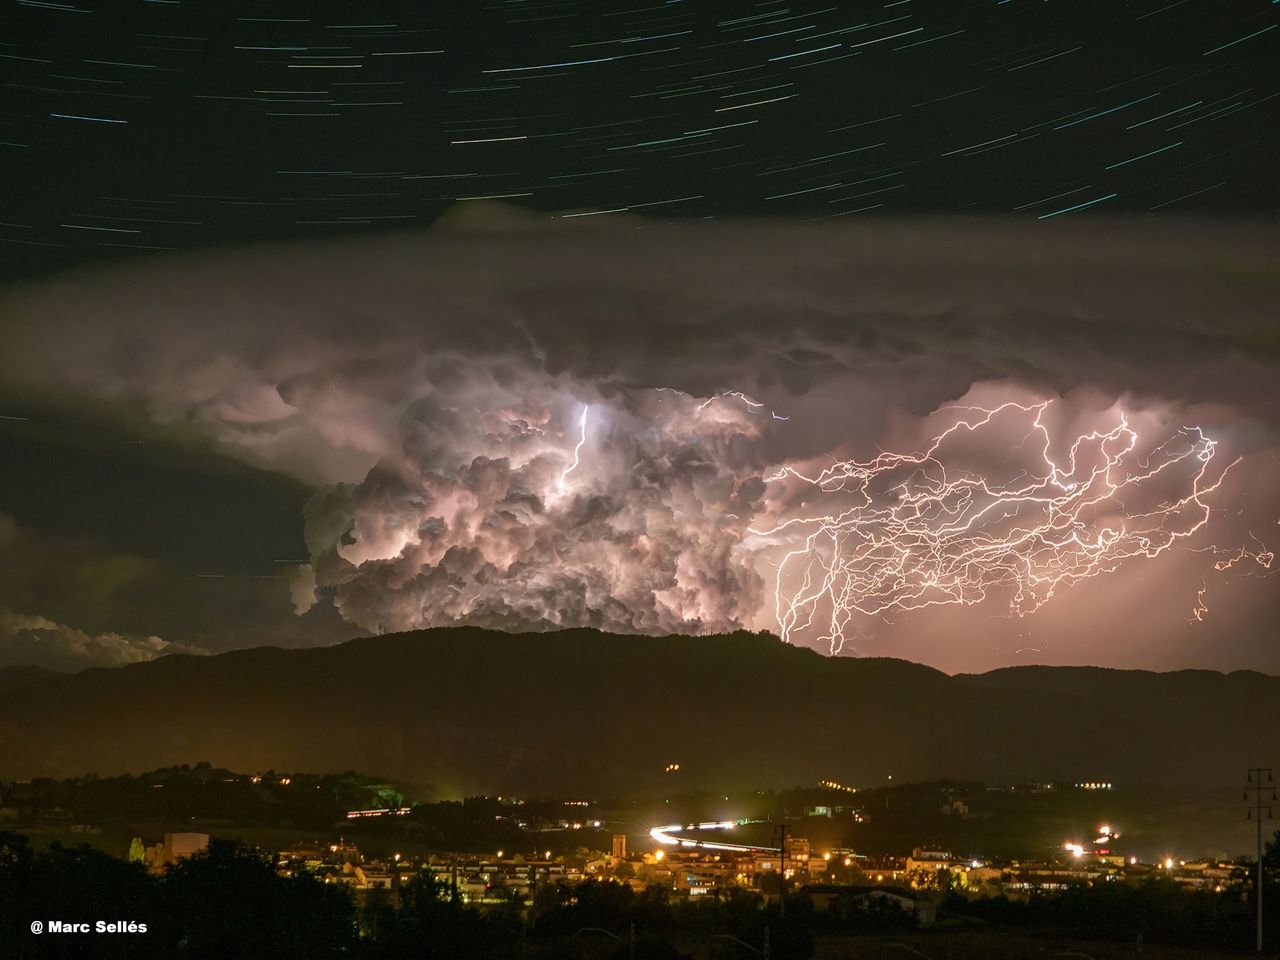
545	314
161	125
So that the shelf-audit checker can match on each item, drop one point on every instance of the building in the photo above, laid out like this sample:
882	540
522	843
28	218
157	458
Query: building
922	859
372	877
177	846
798	851
619	846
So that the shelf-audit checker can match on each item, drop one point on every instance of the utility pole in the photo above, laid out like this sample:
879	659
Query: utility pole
782	864
1259	809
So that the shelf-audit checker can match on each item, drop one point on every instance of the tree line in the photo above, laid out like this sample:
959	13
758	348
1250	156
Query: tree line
228	901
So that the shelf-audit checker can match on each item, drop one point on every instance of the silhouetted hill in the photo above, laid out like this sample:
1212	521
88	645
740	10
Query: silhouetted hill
13	677
478	711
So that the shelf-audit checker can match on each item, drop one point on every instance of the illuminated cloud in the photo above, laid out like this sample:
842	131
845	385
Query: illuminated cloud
522	514
55	646
433	388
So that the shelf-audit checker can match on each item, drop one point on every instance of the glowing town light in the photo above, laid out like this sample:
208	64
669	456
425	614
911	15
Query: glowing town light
906	531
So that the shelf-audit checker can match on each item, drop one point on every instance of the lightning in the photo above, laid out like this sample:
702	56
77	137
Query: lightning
915	530
752	406
1258	563
1201	608
577	451
1262	558
696	525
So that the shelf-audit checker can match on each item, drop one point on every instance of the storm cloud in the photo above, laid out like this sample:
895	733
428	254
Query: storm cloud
534	424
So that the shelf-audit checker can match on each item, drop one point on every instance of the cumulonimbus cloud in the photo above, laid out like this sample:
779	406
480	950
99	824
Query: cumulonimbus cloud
434	387
552	505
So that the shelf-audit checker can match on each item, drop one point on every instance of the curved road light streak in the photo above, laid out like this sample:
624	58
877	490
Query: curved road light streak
664	835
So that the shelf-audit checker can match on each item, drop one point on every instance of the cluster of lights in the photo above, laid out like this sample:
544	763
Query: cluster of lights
379	812
834	785
911	531
1105	836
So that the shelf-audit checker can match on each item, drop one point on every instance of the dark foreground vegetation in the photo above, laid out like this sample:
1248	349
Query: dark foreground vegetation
228	901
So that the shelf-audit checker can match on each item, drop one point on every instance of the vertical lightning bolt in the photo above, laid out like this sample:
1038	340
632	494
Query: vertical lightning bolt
582	438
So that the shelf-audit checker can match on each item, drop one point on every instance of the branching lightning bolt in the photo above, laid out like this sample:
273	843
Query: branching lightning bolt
1260	561
911	531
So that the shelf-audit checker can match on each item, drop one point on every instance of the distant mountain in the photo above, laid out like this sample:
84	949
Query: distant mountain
477	711
13	677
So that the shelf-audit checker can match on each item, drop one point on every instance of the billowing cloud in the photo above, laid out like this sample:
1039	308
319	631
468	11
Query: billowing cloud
26	639
302	589
552	505
433	388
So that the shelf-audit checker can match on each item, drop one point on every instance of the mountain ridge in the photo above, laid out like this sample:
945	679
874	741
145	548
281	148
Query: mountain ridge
472	710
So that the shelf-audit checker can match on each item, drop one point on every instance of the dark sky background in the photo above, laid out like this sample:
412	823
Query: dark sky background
148	125
441	234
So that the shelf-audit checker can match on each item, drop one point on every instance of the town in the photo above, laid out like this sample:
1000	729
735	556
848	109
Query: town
914	882
868	860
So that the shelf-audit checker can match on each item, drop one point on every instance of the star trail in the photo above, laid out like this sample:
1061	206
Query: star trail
154	126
